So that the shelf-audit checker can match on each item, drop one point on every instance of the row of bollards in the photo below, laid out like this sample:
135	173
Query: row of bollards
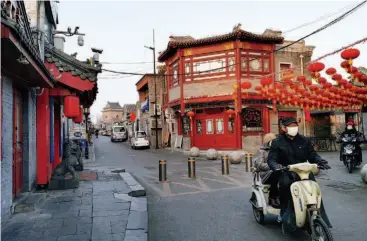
191	170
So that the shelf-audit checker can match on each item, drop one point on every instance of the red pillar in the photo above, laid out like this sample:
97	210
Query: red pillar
43	138
57	128
238	124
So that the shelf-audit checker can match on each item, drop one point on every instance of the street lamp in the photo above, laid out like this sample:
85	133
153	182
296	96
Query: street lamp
69	33
155	92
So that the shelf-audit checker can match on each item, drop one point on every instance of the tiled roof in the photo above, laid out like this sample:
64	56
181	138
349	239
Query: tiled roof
129	108
67	63
114	105
177	43
20	28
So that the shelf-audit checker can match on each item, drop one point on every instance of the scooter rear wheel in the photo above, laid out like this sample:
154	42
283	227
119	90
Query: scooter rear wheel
322	231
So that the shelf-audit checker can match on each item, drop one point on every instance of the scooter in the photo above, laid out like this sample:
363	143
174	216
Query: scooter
306	197
350	152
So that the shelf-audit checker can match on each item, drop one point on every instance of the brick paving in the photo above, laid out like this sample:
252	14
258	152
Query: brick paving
88	213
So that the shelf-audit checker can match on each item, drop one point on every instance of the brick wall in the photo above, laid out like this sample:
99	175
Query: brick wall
111	115
174	93
211	88
7	148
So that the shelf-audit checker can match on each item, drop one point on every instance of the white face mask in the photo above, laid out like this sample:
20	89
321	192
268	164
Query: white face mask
292	131
349	127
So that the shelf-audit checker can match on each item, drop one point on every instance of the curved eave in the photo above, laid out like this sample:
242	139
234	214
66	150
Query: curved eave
241	35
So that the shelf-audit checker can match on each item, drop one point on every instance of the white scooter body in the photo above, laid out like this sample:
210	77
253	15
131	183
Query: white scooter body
306	196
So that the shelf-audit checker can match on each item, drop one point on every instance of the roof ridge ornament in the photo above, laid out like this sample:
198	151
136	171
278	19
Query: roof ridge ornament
237	27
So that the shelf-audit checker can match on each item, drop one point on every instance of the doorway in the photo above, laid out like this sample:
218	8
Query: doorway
214	130
17	143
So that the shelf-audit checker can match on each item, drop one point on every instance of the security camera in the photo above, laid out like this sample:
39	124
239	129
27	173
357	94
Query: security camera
95	50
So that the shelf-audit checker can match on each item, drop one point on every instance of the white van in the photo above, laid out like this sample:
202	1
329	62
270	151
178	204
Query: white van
118	133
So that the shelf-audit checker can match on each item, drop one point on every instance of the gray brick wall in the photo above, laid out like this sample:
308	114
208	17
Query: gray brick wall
7	148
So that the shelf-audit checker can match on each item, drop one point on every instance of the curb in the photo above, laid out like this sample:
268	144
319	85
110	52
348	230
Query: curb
137	221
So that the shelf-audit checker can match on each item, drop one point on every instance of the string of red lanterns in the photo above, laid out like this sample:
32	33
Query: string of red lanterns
303	93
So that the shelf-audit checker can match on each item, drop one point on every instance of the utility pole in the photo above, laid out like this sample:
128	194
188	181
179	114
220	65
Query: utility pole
155	92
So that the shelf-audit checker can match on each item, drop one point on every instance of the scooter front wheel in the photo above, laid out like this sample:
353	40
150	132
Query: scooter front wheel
258	213
322	231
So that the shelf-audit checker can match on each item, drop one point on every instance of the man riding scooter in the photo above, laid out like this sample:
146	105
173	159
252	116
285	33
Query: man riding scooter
350	132
292	148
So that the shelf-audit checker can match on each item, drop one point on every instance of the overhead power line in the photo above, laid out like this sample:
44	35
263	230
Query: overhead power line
331	23
317	19
283	32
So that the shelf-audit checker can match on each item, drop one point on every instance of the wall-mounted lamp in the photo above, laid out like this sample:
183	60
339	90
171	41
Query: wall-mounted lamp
69	33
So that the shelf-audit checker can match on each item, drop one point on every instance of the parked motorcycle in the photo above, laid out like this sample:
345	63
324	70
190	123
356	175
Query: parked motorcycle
306	197
350	152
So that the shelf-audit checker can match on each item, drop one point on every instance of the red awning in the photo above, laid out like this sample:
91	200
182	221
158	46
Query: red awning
68	79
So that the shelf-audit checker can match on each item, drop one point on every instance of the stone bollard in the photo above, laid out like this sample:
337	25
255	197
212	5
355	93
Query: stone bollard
212	154
194	152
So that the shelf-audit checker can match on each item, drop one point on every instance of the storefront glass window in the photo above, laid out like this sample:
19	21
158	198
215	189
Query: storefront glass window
231	125
252	120
199	128
209	127
219	126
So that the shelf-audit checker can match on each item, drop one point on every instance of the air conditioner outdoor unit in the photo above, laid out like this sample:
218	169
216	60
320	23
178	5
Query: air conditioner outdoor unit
153	124
159	109
155	107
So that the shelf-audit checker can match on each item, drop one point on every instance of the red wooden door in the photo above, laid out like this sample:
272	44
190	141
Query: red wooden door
214	131
17	143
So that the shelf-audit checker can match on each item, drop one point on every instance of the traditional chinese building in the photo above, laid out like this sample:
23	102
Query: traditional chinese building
112	112
203	76
22	72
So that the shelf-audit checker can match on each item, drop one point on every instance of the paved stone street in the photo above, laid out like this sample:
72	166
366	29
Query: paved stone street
216	207
99	210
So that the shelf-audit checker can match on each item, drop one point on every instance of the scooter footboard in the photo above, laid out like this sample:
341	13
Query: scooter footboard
304	193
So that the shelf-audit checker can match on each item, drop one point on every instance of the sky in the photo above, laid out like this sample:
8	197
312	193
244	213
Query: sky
123	28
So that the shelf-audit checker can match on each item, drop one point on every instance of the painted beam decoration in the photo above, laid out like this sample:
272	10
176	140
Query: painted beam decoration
319	93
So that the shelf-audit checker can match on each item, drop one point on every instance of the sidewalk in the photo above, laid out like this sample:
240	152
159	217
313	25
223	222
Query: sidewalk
99	210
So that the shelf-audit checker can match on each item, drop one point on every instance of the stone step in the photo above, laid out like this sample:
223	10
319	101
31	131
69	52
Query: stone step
29	202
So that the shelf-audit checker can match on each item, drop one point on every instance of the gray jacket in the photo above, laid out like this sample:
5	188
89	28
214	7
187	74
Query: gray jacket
261	164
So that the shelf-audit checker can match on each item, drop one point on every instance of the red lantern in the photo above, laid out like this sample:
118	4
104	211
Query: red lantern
258	88
190	114
246	85
230	112
79	118
316	67
337	77
330	71
350	54
301	78
71	106
266	81
322	80
345	65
